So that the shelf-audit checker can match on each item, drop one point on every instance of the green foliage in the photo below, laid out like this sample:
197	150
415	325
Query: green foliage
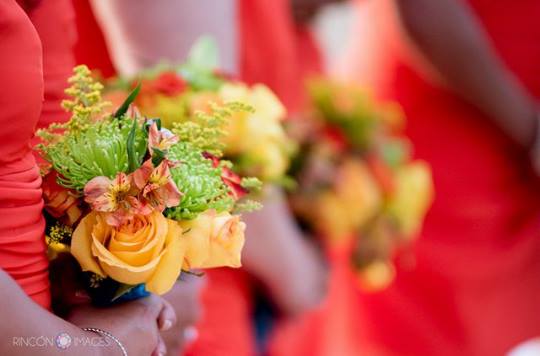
247	206
358	120
200	182
125	105
252	184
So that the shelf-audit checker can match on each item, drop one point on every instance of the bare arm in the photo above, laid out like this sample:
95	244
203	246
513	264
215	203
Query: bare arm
28	329
452	40
24	319
282	259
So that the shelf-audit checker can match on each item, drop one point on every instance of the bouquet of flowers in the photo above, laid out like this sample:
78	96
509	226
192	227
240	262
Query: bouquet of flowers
250	117
134	203
356	177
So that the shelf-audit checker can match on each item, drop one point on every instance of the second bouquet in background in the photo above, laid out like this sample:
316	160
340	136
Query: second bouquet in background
357	181
248	118
137	204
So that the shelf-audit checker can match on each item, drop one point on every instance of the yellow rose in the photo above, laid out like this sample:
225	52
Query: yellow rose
412	197
331	217
360	193
247	130
267	161
353	200
214	240
148	249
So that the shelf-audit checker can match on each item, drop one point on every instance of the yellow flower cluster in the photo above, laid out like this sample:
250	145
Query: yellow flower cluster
354	199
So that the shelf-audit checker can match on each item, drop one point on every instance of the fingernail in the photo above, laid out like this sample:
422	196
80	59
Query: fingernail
167	324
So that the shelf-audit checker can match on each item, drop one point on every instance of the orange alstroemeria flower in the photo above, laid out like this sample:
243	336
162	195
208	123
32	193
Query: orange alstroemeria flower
117	197
160	139
60	202
156	185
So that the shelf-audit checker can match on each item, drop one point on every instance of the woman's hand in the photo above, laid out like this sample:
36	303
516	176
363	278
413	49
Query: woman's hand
136	324
185	299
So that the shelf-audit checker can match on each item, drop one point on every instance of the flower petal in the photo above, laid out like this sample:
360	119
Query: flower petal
170	265
81	242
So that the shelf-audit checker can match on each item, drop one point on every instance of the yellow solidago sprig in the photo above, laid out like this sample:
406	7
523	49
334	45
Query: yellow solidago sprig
207	130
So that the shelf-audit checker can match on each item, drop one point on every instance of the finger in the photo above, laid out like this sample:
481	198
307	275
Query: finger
167	316
161	349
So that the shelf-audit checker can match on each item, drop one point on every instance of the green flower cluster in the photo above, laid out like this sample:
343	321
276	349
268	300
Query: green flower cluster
98	150
199	181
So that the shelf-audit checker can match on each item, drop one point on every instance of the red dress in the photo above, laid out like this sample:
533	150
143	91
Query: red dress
475	289
54	21
22	243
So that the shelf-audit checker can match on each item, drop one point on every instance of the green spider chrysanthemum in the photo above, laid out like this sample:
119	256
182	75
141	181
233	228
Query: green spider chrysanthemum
199	181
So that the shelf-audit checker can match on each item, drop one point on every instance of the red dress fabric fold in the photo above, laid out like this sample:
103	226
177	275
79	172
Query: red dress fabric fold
22	243
226	327
331	329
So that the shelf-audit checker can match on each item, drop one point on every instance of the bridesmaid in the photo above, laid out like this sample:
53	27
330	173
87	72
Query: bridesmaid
23	276
467	76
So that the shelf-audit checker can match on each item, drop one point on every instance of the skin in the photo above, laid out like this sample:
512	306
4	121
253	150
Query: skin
277	254
451	39
136	324
184	298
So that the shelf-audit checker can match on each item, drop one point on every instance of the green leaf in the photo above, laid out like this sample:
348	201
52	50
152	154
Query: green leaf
122	289
201	64
204	54
158	156
133	161
125	105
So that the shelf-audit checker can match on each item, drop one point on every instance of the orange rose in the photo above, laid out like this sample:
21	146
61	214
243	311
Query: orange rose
147	249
